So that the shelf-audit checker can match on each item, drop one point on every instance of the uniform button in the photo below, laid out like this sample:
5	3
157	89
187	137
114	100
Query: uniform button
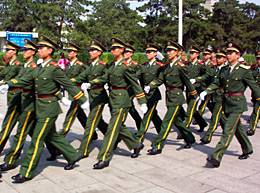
119	94
227	80
36	79
49	101
226	85
36	85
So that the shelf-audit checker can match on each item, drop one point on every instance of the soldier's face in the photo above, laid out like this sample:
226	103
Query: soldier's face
258	61
94	54
171	54
194	55
72	54
150	54
28	54
128	55
10	53
206	56
232	56
44	52
117	51
221	60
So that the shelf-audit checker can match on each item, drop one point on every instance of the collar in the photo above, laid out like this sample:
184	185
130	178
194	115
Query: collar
195	62
94	63
151	62
117	63
45	62
72	62
26	65
12	61
233	66
174	62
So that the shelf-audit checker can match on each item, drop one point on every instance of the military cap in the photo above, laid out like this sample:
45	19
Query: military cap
233	47
11	46
221	52
194	49
45	41
171	45
181	47
96	45
129	48
152	47
29	45
72	47
208	50
257	54
117	43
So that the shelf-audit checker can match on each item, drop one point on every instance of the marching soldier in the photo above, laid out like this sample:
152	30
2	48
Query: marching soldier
128	53
10	71
194	70
174	79
97	95
254	118
147	73
120	77
27	118
47	80
216	98
234	79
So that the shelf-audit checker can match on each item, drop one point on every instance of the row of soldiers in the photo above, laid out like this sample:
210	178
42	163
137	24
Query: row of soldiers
33	91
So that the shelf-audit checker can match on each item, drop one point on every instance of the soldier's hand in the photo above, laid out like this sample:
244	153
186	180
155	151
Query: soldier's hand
85	105
203	95
192	80
147	89
4	88
144	108
106	86
65	101
85	86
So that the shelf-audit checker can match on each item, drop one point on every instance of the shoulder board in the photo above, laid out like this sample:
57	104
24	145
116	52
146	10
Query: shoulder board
134	62
33	65
79	63
201	62
101	63
17	62
160	64
244	66
53	63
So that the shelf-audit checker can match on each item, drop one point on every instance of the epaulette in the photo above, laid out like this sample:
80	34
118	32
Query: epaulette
79	63
17	62
201	62
33	65
101	62
53	63
134	62
160	63
244	66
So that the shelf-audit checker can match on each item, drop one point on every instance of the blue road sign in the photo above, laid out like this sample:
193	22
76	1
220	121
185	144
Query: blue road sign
18	38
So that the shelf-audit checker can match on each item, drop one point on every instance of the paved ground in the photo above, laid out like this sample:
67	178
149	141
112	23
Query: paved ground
175	170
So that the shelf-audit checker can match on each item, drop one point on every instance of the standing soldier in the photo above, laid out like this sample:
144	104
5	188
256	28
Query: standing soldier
174	79
216	98
254	118
120	77
10	71
148	72
194	70
97	95
47	80
27	118
234	79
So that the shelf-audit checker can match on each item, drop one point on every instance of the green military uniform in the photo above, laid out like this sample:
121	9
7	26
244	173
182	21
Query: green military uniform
174	79
119	77
254	118
194	70
234	104
147	73
97	99
47	80
10	71
27	118
216	102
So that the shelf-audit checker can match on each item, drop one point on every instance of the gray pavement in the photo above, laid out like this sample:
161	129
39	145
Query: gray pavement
175	170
